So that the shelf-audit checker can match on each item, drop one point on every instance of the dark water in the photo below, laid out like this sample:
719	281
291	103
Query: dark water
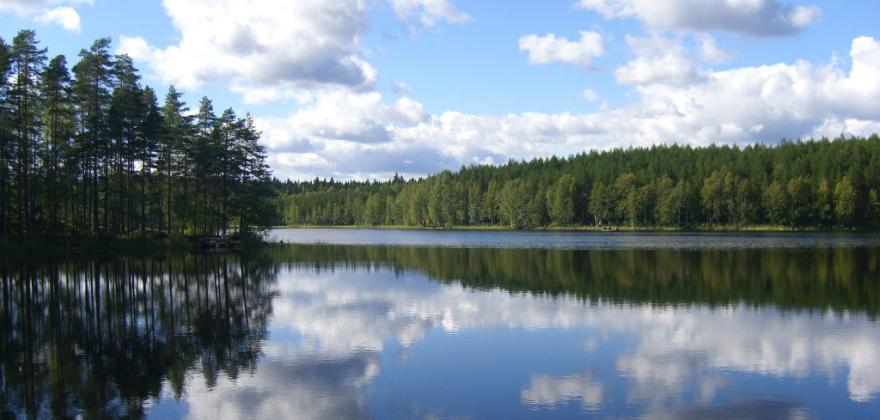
380	331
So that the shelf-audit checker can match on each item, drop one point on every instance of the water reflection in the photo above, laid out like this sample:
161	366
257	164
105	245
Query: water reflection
801	278
325	331
552	391
101	339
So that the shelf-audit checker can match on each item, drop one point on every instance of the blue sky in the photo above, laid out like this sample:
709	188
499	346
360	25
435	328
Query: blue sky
365	88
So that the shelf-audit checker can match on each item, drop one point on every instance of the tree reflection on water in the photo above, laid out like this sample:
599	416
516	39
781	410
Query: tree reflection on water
100	338
110	338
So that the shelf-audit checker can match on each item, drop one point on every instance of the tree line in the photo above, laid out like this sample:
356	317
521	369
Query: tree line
90	150
825	184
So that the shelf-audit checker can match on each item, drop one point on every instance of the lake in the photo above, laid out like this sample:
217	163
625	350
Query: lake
361	323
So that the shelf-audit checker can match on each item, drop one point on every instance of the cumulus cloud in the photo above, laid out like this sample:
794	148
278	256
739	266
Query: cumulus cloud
347	132
552	49
750	17
344	116
428	12
658	60
711	52
833	127
269	49
661	59
56	12
310	42
66	17
351	134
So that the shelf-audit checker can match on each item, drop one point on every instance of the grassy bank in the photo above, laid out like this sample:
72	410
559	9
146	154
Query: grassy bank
588	228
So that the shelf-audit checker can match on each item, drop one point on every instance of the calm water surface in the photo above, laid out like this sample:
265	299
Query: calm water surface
569	240
567	326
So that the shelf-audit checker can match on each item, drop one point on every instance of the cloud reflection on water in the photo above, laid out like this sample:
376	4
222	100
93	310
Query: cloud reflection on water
343	320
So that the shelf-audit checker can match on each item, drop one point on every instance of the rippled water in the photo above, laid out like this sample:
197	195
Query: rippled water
381	331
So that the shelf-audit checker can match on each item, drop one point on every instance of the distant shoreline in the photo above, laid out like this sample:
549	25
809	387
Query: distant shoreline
592	229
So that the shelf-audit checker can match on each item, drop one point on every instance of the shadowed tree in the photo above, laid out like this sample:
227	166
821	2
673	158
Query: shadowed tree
6	144
28	61
95	154
58	130
92	89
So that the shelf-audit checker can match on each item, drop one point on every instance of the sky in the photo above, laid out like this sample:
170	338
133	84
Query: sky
364	89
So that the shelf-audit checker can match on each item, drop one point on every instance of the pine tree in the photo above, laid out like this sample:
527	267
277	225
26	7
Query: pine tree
92	86
6	143
176	132
28	61
58	131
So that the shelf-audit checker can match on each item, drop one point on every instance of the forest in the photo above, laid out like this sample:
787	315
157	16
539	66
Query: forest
816	184
89	150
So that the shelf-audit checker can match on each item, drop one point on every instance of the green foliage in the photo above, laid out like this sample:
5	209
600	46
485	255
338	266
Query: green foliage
802	200
94	154
561	200
846	202
602	204
776	202
791	184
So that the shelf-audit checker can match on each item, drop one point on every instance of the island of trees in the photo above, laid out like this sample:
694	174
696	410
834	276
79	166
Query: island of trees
820	184
94	153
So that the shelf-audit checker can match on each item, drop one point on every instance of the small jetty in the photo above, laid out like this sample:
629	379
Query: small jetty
214	243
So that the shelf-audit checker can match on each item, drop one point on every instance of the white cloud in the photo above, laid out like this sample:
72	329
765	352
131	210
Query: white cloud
658	60
428	12
711	52
589	95
550	48
849	127
357	135
64	16
339	115
29	7
401	88
56	12
269	50
269	43
751	17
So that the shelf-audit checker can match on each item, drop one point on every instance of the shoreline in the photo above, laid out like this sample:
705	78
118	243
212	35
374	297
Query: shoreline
104	246
593	229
